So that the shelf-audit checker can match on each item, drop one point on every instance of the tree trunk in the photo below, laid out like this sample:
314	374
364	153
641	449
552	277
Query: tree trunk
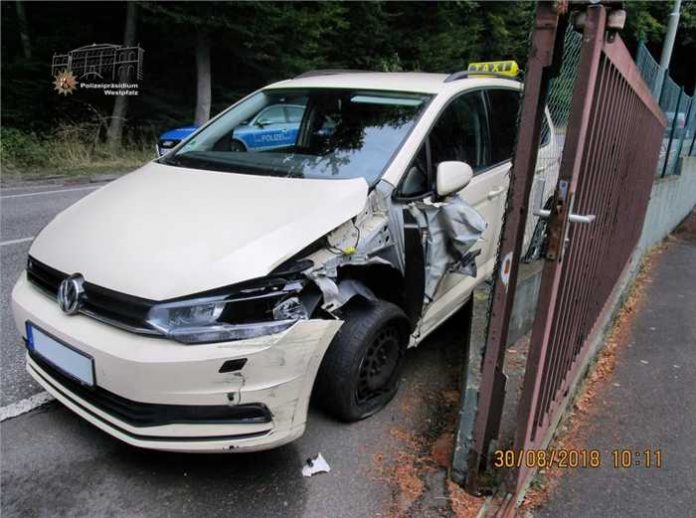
23	29
114	134
203	82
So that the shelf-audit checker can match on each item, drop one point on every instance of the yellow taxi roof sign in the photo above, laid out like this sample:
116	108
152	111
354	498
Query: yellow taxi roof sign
507	68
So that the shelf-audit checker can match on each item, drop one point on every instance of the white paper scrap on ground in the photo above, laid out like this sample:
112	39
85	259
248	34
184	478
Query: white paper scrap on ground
316	465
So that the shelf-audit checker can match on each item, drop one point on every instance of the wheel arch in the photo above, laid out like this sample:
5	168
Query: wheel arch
241	141
387	283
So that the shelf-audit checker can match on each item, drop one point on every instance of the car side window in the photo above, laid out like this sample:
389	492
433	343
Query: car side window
416	181
273	115
504	105
461	133
294	113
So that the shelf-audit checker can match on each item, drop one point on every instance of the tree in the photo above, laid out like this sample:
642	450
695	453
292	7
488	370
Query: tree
203	79
23	29
253	43
114	135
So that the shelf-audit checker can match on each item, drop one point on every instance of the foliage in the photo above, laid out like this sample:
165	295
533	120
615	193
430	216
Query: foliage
70	147
20	149
648	20
258	42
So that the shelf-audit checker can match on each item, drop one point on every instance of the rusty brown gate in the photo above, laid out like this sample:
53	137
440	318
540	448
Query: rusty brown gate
607	168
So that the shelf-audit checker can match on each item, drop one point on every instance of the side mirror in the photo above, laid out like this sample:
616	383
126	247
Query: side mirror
452	177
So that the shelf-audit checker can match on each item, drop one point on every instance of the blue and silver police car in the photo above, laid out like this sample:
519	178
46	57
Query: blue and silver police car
273	127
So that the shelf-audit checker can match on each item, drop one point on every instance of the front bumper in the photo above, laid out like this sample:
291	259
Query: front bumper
138	375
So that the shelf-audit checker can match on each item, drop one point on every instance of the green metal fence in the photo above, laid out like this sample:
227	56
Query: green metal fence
679	109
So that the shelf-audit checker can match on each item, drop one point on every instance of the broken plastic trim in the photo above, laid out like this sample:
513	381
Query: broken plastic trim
449	229
375	236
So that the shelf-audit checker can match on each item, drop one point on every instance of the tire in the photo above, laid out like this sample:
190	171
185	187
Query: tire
237	146
361	369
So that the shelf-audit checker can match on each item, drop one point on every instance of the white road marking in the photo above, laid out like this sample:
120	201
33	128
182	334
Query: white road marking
25	405
90	188
25	187
15	241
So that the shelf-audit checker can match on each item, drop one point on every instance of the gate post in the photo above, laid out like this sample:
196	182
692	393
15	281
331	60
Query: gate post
573	152
474	436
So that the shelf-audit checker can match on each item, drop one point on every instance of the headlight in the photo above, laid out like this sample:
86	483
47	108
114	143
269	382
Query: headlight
245	314
165	146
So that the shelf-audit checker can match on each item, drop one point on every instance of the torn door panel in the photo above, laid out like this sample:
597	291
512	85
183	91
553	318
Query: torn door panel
448	231
450	228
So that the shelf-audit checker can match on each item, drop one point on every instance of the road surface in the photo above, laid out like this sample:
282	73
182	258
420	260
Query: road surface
56	464
25	211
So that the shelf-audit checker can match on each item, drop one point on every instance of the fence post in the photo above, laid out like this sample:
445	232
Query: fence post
683	134
671	133
660	90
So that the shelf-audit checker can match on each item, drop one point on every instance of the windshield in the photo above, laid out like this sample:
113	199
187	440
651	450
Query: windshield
310	133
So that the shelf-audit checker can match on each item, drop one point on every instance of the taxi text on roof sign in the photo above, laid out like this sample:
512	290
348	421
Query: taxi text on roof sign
508	68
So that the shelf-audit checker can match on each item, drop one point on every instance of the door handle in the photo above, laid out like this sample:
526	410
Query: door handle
573	218
495	192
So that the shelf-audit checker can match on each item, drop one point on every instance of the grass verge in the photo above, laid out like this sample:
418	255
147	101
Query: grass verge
71	150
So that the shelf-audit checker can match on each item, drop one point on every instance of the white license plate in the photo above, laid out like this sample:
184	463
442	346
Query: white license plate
66	359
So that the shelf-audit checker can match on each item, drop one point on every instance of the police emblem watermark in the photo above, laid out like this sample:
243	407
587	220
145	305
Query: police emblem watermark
113	69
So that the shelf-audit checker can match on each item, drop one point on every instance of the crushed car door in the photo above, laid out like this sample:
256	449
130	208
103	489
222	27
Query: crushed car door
461	133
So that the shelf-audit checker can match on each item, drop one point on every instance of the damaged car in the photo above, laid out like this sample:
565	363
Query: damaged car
198	303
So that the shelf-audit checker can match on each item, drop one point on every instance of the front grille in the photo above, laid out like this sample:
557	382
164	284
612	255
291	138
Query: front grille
152	414
112	307
44	276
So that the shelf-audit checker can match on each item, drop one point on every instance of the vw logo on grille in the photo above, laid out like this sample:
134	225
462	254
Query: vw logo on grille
70	294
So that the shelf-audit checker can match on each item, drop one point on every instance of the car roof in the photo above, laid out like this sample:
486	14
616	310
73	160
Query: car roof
416	82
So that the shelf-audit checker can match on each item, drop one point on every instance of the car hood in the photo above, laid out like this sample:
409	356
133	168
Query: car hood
163	232
178	133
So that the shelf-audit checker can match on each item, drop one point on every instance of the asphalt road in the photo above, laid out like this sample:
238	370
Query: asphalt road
24	211
56	464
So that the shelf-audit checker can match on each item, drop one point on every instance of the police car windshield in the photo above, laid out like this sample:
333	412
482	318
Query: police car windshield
309	133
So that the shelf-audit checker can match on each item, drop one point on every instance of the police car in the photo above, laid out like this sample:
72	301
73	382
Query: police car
272	128
244	275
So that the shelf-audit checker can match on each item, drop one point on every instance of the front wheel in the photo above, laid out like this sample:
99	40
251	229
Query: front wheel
237	146
360	371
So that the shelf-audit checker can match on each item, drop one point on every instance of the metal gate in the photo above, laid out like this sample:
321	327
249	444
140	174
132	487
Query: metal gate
608	165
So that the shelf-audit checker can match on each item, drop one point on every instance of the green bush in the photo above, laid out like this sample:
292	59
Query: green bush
19	149
69	149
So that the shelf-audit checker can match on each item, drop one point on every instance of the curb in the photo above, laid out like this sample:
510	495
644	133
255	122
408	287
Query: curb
62	180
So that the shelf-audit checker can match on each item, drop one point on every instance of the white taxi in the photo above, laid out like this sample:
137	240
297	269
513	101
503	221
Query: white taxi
197	303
